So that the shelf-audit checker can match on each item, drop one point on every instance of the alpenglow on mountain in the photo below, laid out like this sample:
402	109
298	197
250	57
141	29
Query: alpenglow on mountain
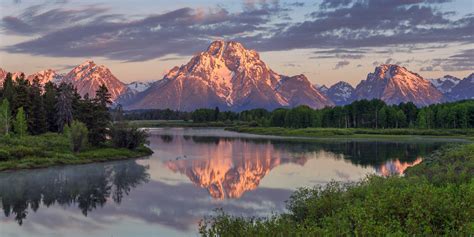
395	84
88	77
228	76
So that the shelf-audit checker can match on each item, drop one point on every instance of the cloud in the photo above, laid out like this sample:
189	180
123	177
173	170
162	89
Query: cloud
371	24
264	25
93	32
36	19
341	64
339	53
461	61
292	65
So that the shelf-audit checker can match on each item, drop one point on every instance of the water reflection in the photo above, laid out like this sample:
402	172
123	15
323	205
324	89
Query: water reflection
227	167
192	172
88	187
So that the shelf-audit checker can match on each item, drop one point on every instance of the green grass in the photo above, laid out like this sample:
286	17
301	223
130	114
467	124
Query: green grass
53	149
434	198
353	132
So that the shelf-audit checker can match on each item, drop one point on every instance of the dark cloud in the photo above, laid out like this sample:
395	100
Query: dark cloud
339	53
334	3
371	24
341	64
462	61
92	31
183	31
297	4
37	20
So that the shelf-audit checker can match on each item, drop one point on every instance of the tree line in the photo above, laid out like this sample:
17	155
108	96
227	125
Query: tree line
32	108
359	114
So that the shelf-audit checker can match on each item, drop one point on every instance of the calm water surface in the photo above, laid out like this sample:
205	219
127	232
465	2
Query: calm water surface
192	172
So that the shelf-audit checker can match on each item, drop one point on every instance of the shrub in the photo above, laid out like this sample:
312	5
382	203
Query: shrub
19	152
4	155
78	136
124	136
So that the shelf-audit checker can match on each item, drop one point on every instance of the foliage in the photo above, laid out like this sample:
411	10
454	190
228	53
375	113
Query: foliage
125	136
359	114
64	115
78	136
5	117
55	149
19	125
435	198
51	108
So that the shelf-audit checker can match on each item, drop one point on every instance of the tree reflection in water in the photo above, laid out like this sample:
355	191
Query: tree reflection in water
87	186
229	167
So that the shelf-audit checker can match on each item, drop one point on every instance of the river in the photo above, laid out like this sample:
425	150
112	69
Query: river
192	172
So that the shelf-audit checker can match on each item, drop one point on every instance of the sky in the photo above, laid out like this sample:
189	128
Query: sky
327	40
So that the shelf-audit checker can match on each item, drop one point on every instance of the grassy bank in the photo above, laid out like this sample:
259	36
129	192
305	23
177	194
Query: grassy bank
355	132
53	149
432	199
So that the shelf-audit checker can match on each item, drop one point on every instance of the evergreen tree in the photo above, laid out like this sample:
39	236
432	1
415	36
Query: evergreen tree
5	117
216	113
9	91
64	106
20	125
382	117
102	118
37	119
22	91
50	97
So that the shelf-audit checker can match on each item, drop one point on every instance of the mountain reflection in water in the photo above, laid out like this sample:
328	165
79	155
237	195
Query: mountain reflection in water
191	173
229	167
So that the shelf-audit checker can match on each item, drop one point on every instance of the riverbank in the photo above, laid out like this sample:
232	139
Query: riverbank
53	149
354	132
174	123
434	198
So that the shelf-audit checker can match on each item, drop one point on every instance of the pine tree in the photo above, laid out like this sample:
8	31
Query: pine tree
50	100
22	91
64	106
102	118
37	119
382	117
5	117
9	91
20	125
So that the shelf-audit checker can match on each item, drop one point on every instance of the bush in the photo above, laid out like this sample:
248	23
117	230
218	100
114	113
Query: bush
124	136
4	155
435	198
78	136
19	152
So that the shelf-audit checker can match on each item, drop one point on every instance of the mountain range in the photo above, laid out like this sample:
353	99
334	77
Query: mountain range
229	76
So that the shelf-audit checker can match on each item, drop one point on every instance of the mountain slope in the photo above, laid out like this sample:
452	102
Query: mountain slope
463	90
45	76
394	84
229	76
445	84
88	77
340	93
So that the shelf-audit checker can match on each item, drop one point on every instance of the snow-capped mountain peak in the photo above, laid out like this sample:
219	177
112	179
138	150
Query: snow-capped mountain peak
45	76
229	76
463	90
139	86
341	93
395	84
445	84
88	77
